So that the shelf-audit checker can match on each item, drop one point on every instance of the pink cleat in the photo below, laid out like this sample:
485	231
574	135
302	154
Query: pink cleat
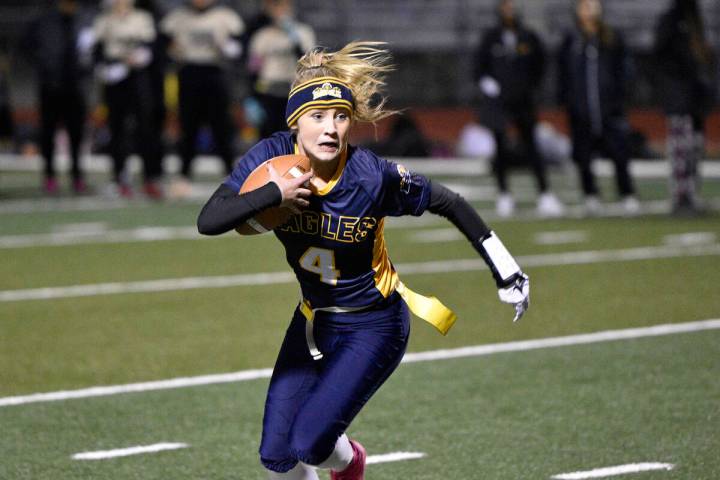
356	469
152	190
51	186
80	187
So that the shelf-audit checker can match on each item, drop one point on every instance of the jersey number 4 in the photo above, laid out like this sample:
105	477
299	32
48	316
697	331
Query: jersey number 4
322	262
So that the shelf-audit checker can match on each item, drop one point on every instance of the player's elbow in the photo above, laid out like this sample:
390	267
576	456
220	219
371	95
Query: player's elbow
206	227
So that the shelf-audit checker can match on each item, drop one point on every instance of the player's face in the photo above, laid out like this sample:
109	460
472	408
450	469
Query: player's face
322	134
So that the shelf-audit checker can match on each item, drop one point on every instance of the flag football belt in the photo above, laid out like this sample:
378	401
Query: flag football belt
429	309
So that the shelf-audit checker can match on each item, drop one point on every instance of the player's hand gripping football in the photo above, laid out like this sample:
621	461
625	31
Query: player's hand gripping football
517	294
295	191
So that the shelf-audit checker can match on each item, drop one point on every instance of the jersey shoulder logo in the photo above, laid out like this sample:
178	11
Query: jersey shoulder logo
405	178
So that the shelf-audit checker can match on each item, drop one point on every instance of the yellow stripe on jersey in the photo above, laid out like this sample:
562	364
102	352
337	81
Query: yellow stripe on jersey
385	275
336	176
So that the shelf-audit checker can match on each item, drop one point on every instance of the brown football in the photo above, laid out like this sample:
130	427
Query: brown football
288	166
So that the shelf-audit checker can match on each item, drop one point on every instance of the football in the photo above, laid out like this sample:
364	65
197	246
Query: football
288	166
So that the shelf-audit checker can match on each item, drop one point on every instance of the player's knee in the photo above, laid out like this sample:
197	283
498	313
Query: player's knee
278	466
310	448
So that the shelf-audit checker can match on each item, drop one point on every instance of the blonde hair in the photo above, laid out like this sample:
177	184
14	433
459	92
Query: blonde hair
362	65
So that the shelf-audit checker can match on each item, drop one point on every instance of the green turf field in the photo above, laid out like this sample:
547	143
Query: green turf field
514	415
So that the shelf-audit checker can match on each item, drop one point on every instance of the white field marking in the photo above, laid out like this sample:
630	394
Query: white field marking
104	391
436	235
68	235
125	452
614	471
394	457
80	228
553	342
79	237
433	355
690	239
272	278
560	238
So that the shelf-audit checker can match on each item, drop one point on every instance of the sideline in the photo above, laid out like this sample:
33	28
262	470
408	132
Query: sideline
433	355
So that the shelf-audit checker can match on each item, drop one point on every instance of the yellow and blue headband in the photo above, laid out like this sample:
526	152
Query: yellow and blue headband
322	92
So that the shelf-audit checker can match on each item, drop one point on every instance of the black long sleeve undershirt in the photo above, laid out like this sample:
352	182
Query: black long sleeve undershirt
446	203
226	209
455	208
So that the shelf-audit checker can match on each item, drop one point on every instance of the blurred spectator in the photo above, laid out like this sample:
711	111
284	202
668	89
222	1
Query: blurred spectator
509	67
156	71
124	38
275	41
7	129
202	37
687	66
592	77
52	42
404	139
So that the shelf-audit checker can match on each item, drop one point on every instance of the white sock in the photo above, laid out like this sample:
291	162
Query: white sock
300	472
341	457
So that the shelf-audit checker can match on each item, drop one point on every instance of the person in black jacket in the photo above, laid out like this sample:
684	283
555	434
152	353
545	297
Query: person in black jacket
509	66
124	36
203	39
593	73
51	43
686	65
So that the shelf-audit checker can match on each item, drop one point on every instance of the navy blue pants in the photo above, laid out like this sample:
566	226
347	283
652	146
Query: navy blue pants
310	403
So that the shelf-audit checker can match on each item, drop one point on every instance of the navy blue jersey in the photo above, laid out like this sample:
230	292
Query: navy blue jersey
336	246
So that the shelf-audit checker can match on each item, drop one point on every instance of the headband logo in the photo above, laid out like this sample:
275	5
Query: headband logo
327	90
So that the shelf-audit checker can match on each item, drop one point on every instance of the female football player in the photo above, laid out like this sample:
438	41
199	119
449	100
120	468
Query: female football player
350	329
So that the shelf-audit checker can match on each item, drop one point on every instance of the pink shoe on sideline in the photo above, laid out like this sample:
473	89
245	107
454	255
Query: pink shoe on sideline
356	469
152	190
80	187
51	186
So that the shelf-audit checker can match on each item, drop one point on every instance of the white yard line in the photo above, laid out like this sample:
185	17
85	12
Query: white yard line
67	235
79	237
103	391
614	471
690	239
125	452
271	278
436	235
394	457
434	355
560	238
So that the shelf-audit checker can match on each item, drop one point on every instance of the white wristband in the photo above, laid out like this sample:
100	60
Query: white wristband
501	259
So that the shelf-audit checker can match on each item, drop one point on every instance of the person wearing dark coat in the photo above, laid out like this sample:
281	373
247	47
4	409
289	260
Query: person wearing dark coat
203	40
686	65
508	69
52	44
594	69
